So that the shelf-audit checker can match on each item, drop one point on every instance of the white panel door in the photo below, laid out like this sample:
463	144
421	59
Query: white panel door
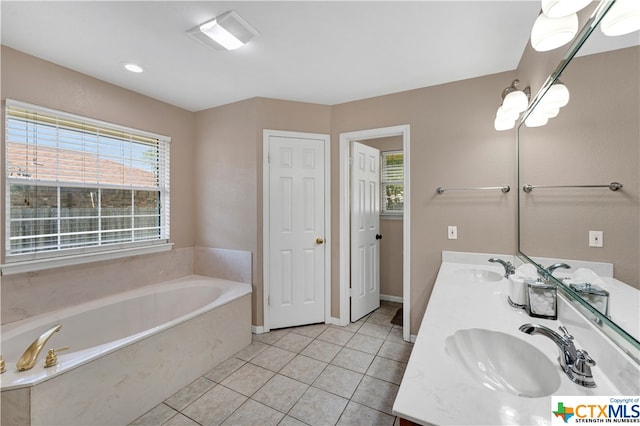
365	230
296	231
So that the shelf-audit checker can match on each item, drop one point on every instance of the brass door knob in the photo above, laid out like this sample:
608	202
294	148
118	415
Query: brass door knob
319	241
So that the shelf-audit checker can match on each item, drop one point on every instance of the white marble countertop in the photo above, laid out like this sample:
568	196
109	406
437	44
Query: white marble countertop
436	390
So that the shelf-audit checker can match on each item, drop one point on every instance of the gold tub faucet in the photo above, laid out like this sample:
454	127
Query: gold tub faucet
29	357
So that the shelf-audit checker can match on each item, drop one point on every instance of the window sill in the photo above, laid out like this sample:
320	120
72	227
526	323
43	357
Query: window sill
79	259
392	216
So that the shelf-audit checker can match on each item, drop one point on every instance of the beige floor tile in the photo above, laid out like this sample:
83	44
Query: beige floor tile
156	416
224	369
215	406
360	415
190	393
251	350
338	380
271	337
352	326
293	342
280	393
290	421
396	351
364	343
395	335
376	394
336	336
322	351
312	330
387	370
375	330
248	379
273	358
304	369
181	420
317	407
380	319
254	413
353	360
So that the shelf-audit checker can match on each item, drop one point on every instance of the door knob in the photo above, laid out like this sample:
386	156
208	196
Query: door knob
319	241
378	236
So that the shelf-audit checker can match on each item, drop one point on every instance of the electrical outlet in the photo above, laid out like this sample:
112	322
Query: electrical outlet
595	239
452	232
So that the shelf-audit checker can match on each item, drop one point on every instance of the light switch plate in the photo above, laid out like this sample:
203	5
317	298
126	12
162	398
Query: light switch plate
595	239
452	232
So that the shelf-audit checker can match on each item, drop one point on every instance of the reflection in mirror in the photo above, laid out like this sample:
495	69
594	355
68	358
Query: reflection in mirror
594	141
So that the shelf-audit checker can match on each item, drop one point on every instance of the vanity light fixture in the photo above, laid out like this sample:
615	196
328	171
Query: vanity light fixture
536	119
514	101
622	18
551	33
557	96
560	8
227	31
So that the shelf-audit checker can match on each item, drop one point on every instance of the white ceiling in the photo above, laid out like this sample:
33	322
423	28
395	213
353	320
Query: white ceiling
325	52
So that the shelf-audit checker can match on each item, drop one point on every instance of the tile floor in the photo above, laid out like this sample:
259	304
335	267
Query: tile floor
315	375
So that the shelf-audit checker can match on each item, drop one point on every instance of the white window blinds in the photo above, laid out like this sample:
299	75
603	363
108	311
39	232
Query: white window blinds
75	183
392	182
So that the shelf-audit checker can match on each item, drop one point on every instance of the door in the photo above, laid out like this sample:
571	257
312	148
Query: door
365	230
296	230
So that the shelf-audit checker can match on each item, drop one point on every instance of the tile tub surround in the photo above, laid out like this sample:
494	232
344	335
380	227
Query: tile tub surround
316	375
433	383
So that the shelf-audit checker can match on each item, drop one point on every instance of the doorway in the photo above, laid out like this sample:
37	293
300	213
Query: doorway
346	141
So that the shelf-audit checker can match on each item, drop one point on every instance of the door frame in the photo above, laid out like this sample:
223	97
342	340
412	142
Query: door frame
266	134
345	222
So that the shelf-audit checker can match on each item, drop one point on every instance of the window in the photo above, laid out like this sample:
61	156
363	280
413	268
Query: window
392	182
77	185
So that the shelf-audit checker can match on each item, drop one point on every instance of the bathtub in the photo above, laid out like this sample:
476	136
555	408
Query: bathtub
128	352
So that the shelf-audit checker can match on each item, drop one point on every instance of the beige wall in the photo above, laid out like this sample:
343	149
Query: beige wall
228	173
453	144
594	140
28	79
217	154
391	229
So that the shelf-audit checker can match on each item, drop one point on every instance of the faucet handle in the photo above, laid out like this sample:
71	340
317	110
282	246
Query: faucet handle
582	369
52	356
566	333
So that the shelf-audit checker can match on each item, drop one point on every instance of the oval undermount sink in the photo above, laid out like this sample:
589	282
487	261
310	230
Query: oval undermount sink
472	274
503	362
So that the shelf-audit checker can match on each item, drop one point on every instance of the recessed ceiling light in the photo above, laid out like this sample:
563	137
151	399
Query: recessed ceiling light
133	68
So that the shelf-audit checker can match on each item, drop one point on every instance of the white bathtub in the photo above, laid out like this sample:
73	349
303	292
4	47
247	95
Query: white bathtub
128	352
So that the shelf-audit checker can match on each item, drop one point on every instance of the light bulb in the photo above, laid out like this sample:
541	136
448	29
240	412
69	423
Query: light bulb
501	124
557	96
622	18
560	8
504	114
551	33
536	119
515	101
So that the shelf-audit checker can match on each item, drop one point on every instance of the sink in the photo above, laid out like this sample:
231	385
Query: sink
503	362
472	274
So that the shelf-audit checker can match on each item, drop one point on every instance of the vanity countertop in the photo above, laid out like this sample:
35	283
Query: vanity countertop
436	390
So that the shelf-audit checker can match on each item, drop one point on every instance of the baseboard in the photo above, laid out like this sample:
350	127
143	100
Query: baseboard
257	329
413	338
388	298
336	321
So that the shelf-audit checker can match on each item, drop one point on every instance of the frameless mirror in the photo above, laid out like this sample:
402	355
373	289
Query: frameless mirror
569	211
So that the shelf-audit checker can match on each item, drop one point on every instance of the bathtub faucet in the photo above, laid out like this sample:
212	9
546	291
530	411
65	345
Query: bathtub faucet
29	357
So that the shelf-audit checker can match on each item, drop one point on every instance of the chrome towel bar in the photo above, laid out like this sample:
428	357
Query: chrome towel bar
505	188
614	186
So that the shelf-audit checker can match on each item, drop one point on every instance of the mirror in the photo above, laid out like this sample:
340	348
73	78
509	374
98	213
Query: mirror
570	163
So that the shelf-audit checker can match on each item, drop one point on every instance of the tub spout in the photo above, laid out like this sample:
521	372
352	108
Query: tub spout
29	357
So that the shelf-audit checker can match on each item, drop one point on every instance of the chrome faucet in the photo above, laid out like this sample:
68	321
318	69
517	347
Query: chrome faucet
549	270
29	357
509	269
576	363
